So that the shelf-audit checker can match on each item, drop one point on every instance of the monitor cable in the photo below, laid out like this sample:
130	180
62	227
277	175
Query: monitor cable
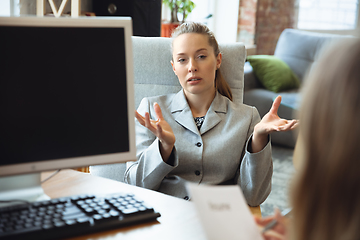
53	174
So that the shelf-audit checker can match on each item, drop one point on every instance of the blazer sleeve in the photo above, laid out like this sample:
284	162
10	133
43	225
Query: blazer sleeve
255	173
149	170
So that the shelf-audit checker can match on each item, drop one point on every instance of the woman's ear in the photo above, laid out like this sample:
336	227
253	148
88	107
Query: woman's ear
218	60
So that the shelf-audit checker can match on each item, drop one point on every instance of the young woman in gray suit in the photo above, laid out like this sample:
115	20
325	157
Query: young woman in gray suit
199	134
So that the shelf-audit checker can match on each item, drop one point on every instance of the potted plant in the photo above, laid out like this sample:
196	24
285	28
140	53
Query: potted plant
177	7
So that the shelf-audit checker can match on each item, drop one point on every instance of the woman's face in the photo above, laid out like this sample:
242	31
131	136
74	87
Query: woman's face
195	63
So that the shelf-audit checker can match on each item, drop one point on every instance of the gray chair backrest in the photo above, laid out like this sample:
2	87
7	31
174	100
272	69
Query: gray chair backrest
300	49
153	75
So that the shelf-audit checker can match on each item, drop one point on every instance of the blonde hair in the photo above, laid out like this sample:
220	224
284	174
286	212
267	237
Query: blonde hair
326	192
192	27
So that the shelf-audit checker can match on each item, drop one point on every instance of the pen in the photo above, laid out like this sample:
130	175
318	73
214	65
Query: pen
274	222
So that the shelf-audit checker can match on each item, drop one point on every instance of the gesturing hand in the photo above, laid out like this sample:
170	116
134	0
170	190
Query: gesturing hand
272	122
161	129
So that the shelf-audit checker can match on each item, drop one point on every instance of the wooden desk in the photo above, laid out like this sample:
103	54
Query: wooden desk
178	219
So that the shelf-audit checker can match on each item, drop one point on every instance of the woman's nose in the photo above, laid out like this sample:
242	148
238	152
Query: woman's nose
192	66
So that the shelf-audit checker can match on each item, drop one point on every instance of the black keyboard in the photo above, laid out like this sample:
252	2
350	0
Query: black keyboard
72	216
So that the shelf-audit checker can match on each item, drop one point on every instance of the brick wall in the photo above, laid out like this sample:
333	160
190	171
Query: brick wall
262	21
272	17
247	21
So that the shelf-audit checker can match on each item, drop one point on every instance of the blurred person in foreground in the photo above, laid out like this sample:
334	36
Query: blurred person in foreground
325	192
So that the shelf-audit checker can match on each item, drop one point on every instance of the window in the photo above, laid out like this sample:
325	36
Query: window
328	14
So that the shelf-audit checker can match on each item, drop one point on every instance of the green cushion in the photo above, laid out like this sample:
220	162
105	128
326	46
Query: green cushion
274	74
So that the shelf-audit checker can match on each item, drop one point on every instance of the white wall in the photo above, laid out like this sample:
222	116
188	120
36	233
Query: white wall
9	8
225	20
5	8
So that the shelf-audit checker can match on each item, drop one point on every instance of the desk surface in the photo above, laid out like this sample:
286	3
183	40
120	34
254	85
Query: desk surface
178	219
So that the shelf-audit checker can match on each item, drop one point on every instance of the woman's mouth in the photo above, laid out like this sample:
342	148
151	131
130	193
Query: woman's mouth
193	79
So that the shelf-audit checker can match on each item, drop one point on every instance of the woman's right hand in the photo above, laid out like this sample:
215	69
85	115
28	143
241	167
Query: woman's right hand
161	129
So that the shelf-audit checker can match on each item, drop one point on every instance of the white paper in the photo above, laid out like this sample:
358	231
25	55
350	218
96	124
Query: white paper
224	213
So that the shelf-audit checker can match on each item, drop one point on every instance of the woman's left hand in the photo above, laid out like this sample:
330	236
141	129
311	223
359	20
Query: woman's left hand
271	122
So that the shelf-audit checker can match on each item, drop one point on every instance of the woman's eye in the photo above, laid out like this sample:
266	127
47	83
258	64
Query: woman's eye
202	56
181	60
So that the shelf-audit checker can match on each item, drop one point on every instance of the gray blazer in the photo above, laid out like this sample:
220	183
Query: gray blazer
217	154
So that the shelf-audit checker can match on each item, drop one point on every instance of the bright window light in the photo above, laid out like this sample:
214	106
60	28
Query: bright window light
5	8
328	14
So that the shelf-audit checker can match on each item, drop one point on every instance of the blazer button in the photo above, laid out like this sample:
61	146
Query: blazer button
186	198
198	144
197	172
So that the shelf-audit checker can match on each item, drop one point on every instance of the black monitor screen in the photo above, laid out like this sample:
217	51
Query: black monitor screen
62	93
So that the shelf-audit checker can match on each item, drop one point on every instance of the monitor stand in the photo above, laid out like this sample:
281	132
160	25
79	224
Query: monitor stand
26	187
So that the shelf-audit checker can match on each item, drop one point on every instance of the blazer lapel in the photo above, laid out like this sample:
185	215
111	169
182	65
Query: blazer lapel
212	117
182	113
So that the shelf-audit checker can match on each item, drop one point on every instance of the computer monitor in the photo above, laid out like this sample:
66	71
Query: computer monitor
66	97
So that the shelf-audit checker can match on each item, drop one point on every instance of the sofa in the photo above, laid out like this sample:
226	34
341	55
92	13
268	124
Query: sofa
153	75
299	50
